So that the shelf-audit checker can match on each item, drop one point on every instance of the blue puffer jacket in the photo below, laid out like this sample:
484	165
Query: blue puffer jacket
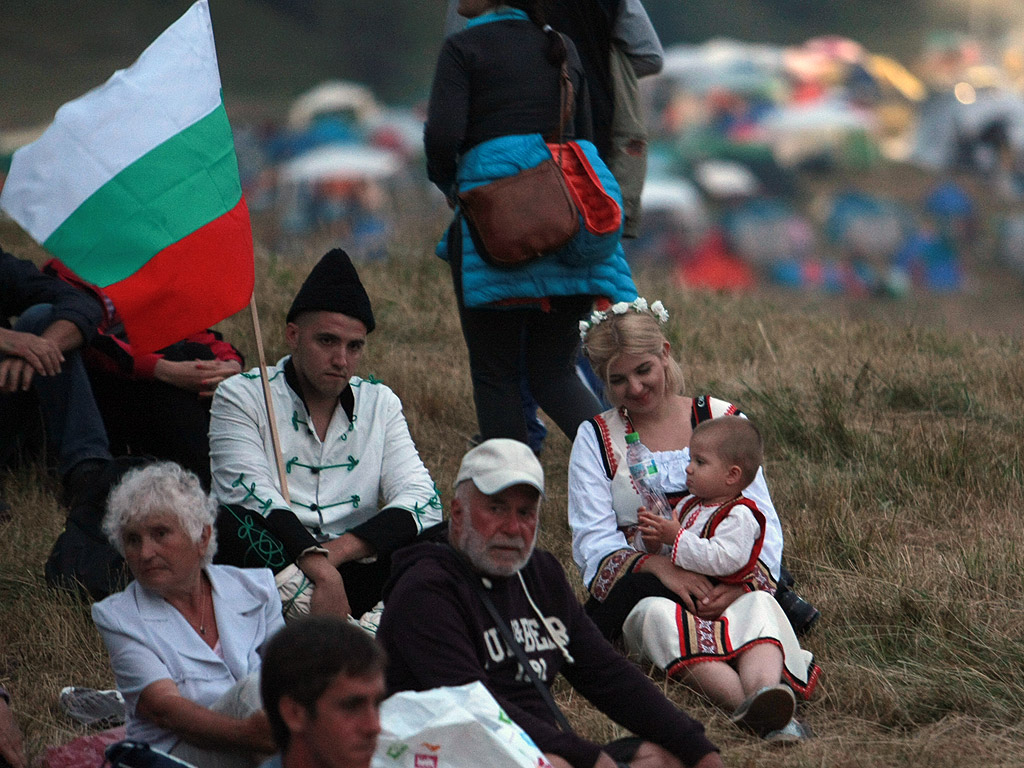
558	273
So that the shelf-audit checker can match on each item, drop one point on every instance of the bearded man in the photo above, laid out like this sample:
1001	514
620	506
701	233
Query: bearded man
437	629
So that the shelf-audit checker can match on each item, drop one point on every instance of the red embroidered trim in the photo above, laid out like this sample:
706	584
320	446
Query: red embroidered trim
613	568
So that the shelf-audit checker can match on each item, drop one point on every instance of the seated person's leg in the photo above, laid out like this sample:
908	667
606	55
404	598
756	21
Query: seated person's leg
716	680
759	667
151	418
73	423
642	754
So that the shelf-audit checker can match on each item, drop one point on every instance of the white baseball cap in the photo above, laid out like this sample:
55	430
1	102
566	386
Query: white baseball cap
500	463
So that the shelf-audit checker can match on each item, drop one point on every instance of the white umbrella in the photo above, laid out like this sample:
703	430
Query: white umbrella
341	162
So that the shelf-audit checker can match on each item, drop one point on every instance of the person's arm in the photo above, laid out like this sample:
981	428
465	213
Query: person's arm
635	33
726	552
11	741
771	550
199	376
162	704
447	117
65	335
242	473
452	21
22	285
241	463
656	530
150	691
718	598
692	588
408	498
595	534
583	120
28	355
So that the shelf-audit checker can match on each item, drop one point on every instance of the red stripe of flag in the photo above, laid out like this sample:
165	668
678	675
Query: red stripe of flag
213	267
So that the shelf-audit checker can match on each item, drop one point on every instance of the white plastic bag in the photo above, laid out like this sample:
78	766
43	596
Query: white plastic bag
451	727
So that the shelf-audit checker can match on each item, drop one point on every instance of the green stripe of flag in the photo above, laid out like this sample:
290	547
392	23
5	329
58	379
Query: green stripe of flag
166	195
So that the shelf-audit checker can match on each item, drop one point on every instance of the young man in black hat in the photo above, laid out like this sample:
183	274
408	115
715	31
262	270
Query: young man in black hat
358	489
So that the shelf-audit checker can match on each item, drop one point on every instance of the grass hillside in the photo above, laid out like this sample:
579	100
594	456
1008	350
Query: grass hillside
893	454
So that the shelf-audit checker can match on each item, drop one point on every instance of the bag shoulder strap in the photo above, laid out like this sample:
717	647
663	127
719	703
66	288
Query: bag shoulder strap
517	649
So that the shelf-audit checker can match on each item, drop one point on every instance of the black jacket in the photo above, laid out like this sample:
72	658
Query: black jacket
22	285
437	632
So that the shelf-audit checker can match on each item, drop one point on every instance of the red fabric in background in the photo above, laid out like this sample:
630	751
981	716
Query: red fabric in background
83	752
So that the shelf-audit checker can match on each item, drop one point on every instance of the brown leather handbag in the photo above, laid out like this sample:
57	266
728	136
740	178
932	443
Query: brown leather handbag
520	218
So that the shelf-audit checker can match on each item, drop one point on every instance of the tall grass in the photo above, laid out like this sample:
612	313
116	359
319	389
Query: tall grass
894	458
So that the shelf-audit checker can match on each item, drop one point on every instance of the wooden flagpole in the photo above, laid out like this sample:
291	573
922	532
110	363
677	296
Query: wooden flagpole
274	439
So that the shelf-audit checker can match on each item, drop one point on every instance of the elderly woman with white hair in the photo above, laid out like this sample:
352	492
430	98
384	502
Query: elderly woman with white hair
185	636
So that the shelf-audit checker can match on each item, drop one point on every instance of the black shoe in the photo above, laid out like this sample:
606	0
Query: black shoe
801	614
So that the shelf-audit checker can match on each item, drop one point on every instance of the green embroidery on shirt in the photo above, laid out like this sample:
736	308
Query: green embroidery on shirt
256	375
294	462
434	502
353	500
296	421
250	493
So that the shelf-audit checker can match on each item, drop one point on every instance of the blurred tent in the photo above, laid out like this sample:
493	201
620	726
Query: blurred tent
721	62
867	226
970	130
929	260
674	217
765	232
715	265
350	101
396	129
334	112
826	130
340	163
890	73
1010	251
725	179
826	103
342	190
677	196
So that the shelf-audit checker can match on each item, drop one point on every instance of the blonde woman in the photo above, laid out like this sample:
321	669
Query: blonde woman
731	642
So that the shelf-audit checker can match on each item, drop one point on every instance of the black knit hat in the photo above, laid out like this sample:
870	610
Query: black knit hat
333	286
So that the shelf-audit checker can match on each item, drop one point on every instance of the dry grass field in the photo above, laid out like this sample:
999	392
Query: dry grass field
894	455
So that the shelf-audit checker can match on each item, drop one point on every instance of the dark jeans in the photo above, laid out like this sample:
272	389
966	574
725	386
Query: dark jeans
498	339
74	428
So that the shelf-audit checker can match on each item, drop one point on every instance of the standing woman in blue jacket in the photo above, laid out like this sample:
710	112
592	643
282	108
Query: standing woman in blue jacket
494	101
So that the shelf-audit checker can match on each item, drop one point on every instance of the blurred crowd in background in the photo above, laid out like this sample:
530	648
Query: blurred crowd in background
736	131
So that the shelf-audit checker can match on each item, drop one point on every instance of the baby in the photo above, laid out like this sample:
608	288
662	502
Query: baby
717	531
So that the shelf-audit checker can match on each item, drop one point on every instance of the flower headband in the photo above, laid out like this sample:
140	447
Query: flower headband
638	305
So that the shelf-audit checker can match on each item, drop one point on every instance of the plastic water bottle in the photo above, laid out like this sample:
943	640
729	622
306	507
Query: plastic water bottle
643	469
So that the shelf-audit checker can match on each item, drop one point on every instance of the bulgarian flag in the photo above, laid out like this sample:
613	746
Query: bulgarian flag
135	188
